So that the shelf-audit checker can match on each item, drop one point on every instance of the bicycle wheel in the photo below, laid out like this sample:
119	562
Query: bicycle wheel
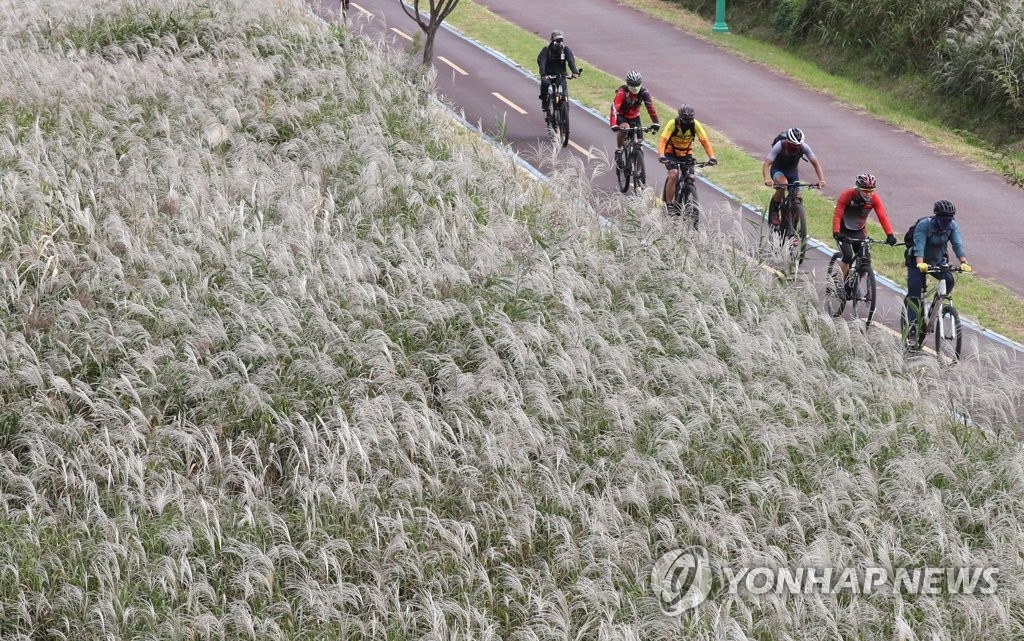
948	338
552	123
835	295
562	116
863	296
799	217
639	175
622	174
905	328
691	208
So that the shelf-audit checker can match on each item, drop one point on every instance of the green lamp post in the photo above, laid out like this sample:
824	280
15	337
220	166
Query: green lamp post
720	26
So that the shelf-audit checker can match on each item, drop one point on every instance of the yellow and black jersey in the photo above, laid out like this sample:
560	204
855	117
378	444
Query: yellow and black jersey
678	141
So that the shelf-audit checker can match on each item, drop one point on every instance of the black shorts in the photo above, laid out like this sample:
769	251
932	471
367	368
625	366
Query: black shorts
851	247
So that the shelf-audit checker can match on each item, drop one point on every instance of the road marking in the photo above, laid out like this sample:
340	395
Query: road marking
583	151
508	102
369	13
453	65
402	33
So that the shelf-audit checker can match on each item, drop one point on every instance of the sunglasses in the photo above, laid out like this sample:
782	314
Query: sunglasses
558	41
866	190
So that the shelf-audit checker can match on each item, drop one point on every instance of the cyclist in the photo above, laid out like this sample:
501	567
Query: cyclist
851	217
781	166
551	61
626	109
930	237
676	143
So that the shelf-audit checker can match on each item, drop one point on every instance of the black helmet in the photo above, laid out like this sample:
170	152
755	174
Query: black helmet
685	112
944	208
794	136
557	35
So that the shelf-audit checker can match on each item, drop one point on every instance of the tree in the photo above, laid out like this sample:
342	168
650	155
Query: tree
439	10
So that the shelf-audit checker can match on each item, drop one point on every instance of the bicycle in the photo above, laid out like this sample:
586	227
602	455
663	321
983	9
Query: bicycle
684	202
939	317
859	288
557	115
792	227
633	159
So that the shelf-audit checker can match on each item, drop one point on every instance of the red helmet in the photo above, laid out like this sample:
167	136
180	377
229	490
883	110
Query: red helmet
865	181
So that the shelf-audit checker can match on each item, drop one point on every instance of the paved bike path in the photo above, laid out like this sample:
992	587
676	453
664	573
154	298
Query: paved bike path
502	101
749	103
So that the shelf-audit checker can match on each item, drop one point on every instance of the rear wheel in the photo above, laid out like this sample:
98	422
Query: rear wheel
948	338
835	297
863	295
562	116
794	238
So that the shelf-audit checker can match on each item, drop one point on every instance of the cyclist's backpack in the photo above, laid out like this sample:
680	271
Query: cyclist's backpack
908	237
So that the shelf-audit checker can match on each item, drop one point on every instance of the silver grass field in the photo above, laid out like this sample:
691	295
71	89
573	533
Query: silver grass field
286	354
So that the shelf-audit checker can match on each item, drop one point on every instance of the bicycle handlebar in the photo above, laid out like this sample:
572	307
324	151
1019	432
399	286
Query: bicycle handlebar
796	183
870	241
671	163
570	76
942	269
631	128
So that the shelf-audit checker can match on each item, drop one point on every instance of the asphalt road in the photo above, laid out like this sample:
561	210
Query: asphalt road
502	100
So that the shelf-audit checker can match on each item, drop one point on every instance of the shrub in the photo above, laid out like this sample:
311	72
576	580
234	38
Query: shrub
900	35
983	57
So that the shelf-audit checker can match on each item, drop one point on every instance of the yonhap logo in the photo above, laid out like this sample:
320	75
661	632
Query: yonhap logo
681	579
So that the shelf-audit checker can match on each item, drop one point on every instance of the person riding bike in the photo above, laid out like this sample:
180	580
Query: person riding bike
781	166
850	218
551	61
930	238
676	143
626	109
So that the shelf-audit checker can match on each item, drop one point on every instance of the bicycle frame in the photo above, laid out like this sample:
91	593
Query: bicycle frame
633	159
634	138
556	91
792	226
937	316
862	257
557	116
933	319
687	175
791	198
859	285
